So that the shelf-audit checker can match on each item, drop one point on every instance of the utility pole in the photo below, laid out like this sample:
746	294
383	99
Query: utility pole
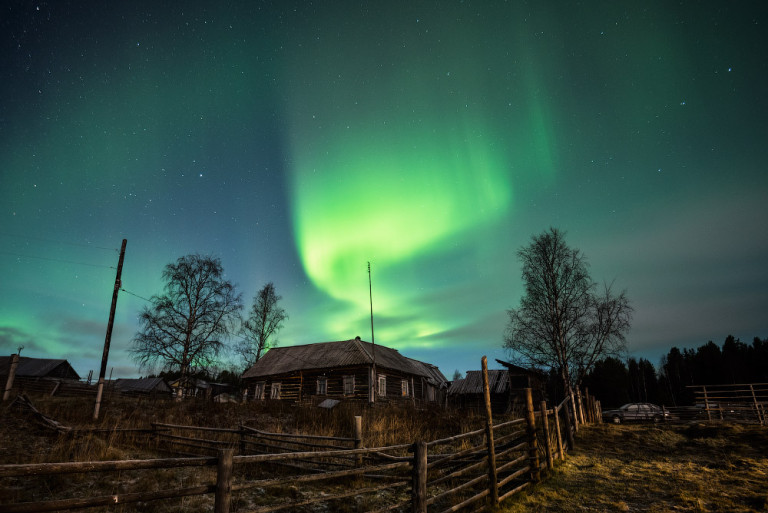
108	339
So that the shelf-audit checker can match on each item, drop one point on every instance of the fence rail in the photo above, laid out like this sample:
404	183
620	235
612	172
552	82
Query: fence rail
461	472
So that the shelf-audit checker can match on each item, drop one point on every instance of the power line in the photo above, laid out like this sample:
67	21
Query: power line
29	237
55	260
135	295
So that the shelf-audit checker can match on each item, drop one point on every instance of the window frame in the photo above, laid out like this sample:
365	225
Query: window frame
404	388
349	384
258	390
275	390
321	387
381	381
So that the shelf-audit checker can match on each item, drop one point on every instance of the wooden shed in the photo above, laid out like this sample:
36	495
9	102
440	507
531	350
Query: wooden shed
506	386
41	375
39	368
156	387
348	369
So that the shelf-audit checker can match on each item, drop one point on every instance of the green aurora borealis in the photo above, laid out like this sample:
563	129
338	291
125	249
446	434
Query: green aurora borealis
297	142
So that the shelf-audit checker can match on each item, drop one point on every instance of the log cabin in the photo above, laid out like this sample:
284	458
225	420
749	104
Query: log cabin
351	370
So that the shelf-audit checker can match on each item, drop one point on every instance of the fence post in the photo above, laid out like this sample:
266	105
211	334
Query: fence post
757	407
11	375
579	406
572	409
559	438
568	429
223	481
587	405
533	450
419	492
547	441
242	440
358	439
706	403
493	482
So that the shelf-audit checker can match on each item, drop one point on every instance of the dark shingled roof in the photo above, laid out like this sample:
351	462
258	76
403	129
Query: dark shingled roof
39	368
144	385
498	383
331	355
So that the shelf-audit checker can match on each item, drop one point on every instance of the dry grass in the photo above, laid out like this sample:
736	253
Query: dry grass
699	468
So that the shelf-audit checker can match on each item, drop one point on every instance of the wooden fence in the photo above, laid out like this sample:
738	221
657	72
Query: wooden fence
743	403
465	471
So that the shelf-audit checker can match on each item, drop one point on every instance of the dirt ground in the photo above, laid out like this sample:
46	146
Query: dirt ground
701	468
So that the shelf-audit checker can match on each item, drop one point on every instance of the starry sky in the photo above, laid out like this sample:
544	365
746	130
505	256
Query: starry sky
297	141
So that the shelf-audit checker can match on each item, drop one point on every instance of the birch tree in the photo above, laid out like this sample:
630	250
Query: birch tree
186	325
564	321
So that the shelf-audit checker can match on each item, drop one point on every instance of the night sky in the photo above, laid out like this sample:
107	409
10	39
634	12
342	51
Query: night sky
297	142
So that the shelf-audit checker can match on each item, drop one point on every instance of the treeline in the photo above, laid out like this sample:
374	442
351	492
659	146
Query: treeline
616	382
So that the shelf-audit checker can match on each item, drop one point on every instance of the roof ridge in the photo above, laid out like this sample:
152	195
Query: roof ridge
359	344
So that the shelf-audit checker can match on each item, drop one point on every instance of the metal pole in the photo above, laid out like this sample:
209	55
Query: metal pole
108	338
373	340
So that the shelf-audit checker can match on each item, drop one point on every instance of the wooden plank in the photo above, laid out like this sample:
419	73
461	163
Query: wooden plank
316	477
514	491
292	435
196	428
468	484
467	502
32	469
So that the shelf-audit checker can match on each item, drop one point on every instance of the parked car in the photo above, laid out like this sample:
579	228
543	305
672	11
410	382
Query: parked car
633	412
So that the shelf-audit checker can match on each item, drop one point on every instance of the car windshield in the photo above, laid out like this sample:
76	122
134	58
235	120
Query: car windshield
626	406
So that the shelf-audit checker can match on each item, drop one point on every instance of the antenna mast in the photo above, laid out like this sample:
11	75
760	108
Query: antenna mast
373	341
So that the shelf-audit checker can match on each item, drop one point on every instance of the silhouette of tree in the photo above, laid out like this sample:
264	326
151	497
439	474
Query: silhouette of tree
260	329
185	325
562	322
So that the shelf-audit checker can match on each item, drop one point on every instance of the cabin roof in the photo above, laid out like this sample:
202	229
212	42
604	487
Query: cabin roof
142	385
472	383
516	370
38	367
332	355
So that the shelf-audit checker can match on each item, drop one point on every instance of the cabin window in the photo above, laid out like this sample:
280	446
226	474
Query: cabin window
404	387
258	390
275	392
322	386
349	385
430	393
382	385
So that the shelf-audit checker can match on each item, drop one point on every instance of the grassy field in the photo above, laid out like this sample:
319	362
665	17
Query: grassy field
702	468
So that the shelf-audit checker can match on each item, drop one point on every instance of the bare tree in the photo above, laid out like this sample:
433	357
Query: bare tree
185	325
265	320
562	323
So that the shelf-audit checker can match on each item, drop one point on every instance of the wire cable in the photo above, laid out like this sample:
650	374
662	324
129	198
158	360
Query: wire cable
19	255
29	237
135	295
